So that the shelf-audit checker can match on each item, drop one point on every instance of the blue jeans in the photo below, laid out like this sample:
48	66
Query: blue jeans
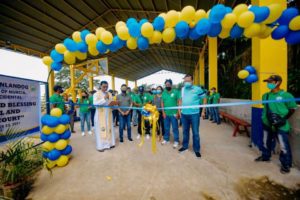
269	140
216	116
194	121
85	117
167	124
124	121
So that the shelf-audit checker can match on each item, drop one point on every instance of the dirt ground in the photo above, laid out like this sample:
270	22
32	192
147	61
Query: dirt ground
132	172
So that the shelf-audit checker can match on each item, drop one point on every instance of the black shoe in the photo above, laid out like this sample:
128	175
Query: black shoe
135	125
219	123
198	155
261	159
210	119
112	147
284	170
182	149
121	140
213	122
73	131
130	139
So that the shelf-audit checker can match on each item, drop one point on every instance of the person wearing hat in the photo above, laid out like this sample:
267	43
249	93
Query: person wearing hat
275	123
57	100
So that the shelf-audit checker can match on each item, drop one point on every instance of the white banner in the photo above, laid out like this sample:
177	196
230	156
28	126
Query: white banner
19	107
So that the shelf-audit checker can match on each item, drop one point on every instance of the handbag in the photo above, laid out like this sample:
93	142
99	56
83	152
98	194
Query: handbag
274	119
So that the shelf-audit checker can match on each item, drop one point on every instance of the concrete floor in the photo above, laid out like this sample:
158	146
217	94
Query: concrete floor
132	172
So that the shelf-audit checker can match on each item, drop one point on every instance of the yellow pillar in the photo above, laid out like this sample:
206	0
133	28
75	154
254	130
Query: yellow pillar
126	82
72	75
51	81
201	69
113	82
212	62
135	84
91	83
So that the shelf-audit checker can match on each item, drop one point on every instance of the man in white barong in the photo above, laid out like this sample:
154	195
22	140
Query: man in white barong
104	130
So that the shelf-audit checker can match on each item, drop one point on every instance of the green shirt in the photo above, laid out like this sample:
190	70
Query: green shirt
144	98
58	101
170	99
209	99
84	108
215	98
280	108
91	99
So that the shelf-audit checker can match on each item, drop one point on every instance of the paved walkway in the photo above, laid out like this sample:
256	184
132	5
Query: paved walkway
134	173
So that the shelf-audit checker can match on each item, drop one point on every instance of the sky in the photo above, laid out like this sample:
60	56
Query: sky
29	67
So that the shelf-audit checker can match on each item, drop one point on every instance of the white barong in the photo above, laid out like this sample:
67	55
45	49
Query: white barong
104	130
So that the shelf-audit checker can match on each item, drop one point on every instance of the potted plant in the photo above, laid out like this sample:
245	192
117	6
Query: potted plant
19	162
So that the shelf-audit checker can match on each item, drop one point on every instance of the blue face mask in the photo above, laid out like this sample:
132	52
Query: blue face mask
154	92
158	91
271	86
187	84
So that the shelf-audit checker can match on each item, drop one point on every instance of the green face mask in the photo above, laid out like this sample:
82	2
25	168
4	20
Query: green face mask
271	86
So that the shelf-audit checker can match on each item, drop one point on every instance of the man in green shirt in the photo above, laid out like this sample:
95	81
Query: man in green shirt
56	100
170	98
274	118
215	99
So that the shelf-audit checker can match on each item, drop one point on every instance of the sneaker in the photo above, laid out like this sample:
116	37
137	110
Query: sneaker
138	136
182	150
73	131
147	136
121	140
130	139
165	142
83	134
90	133
261	159
175	145
93	128
198	155
284	170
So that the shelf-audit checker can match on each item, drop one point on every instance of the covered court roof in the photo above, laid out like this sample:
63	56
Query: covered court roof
35	26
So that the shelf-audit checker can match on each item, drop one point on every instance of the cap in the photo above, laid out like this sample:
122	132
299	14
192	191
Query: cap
276	78
57	88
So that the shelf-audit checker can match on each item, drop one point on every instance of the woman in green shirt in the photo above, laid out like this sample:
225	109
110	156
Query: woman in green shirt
85	112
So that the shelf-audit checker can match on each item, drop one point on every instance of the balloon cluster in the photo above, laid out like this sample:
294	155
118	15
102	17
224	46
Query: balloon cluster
56	134
220	21
249	74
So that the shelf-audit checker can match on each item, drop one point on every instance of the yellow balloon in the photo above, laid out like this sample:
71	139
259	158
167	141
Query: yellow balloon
60	48
275	12
119	24
47	60
60	144
93	50
123	33
62	161
59	129
207	14
171	19
56	112
106	37
192	24
67	126
295	24
131	43
76	36
47	146
243	74
99	31
163	15
69	57
80	56
47	130
266	33
151	40
91	39
157	37
200	14
225	33
252	31
147	30
239	9
50	164
187	14
169	35
229	20
246	19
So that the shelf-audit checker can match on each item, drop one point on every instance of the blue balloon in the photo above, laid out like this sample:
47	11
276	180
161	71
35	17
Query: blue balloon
84	33
53	137
70	44
203	27
182	29
66	135
145	113
56	66
293	37
159	23
260	13
56	57
236	31
142	43
252	78
280	32
130	21
45	119
288	15
250	69
82	47
45	154
44	137
54	154
228	10
113	47
214	30
193	35
64	119
143	21
217	13
101	47
66	151
134	29
52	122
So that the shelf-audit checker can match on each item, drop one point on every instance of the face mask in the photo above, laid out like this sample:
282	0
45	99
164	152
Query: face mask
168	88
154	92
158	92
271	86
83	97
123	91
187	84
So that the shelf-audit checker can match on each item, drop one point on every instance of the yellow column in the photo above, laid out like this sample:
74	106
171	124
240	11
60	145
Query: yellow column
51	81
126	82
91	83
201	70
113	82
135	84
72	75
212	63
196	75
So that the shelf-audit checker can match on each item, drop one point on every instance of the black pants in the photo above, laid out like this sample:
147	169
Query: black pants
161	127
115	116
200	112
147	124
93	111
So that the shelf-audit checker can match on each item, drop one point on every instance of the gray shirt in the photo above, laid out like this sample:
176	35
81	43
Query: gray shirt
124	100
